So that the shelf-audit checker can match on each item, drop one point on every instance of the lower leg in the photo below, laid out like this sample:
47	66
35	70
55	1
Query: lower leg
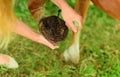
73	52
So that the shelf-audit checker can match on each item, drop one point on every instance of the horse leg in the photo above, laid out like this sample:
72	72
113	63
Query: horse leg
73	52
36	8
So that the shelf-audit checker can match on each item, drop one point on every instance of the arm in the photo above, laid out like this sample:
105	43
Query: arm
59	3
69	15
24	30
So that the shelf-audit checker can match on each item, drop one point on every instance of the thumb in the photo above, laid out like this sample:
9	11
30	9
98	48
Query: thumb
47	43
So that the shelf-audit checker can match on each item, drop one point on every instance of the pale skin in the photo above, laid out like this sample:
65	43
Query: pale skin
69	16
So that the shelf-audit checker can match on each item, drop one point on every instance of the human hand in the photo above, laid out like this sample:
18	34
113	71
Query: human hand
41	39
72	18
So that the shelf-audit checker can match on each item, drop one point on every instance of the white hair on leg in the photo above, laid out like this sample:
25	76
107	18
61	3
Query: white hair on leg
73	52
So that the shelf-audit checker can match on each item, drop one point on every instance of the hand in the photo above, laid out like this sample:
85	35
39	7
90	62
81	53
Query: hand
42	40
69	15
71	18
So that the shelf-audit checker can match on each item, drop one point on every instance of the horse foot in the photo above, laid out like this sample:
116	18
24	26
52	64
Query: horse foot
72	54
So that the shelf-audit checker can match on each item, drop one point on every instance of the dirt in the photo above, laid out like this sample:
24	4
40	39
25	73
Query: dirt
53	28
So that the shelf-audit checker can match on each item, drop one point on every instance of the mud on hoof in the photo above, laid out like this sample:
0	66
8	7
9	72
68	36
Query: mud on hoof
72	54
53	28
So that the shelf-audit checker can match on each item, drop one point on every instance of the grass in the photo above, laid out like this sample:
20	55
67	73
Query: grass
99	45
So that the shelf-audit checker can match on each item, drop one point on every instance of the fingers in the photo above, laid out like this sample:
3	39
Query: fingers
50	45
74	26
71	26
47	43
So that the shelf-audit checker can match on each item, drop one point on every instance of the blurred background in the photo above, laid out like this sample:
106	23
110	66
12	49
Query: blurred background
99	46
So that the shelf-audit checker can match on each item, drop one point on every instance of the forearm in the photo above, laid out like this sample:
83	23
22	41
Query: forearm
62	4
24	30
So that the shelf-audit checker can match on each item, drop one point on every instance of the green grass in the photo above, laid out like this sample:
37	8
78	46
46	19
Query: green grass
99	45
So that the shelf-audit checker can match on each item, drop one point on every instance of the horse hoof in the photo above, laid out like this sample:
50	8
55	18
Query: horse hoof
72	54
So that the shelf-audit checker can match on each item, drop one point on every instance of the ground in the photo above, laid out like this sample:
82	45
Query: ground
99	46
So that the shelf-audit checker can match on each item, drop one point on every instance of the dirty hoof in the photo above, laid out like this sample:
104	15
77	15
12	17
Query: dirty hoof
53	28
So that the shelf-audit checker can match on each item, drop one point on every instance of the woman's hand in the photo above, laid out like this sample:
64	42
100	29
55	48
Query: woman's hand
41	39
72	18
